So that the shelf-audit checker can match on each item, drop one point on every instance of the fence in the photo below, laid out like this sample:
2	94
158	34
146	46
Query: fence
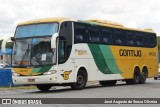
5	77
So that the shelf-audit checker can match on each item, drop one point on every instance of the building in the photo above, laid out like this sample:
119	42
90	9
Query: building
6	57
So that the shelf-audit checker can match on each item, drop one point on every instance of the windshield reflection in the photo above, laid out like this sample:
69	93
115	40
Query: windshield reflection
42	54
21	53
33	52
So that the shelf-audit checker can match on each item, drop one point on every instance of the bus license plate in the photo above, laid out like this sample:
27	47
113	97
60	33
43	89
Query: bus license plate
31	80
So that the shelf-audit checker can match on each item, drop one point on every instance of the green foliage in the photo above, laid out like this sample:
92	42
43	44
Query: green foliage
158	42
9	45
0	43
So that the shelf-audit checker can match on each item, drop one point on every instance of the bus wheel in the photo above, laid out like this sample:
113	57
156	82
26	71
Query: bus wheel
143	76
44	87
136	77
108	83
81	81
155	78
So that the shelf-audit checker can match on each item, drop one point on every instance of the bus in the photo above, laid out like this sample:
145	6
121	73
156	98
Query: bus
71	52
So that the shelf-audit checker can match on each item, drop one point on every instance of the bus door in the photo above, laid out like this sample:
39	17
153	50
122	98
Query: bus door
65	57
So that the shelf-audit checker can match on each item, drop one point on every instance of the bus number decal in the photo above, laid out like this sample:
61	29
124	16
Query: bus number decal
66	75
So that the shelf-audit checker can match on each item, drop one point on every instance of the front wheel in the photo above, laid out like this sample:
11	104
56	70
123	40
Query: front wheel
44	87
81	81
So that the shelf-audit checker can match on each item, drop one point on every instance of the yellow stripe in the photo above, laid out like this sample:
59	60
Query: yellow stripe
25	71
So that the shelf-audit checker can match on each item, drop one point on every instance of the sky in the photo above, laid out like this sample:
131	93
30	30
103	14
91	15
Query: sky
131	13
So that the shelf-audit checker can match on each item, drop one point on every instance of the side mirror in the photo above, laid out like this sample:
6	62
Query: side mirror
12	38
54	40
4	42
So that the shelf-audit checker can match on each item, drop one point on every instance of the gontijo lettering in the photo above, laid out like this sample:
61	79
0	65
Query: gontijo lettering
130	53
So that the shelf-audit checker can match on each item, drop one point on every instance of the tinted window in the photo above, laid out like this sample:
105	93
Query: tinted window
85	33
36	30
153	41
146	40
94	34
119	37
80	33
130	38
139	39
106	36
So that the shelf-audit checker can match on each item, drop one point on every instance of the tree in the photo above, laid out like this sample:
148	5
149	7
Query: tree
9	45
1	42
158	42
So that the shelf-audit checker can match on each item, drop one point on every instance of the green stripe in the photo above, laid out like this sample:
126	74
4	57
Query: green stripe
41	69
109	59
99	58
36	70
104	59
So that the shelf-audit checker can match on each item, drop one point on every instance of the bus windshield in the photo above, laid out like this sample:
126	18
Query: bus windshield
32	47
36	30
33	52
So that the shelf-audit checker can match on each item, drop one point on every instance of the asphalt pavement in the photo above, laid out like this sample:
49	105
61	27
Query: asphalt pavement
151	89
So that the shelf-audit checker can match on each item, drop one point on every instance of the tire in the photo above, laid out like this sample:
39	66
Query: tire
143	76
136	77
44	87
129	81
108	83
81	81
155	78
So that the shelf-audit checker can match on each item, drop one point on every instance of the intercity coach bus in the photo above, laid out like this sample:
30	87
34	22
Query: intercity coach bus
62	51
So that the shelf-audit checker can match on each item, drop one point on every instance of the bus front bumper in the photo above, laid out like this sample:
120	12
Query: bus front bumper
31	80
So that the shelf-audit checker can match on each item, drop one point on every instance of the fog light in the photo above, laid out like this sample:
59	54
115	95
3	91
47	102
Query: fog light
15	74
54	78
50	72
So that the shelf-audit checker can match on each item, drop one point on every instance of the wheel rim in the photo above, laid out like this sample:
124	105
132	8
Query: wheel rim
136	77
80	79
143	76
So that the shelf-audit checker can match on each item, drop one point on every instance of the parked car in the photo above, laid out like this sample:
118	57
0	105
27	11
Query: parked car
4	65
158	76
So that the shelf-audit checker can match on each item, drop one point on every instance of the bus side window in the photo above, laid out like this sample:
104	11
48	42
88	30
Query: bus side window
106	36
61	50
129	38
80	33
94	34
146	40
119	37
153	40
139	39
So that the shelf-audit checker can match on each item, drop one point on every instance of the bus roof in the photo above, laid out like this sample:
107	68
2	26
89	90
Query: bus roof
46	20
118	25
92	21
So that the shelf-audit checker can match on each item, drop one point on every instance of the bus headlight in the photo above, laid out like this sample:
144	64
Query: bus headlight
50	72
15	74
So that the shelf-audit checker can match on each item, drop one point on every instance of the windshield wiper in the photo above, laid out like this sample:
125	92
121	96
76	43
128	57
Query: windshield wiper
26	53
